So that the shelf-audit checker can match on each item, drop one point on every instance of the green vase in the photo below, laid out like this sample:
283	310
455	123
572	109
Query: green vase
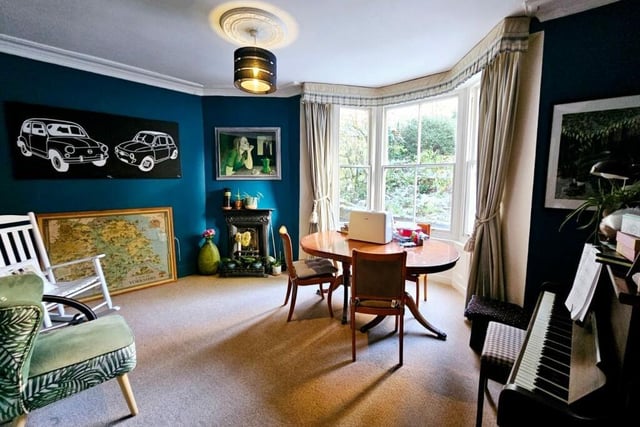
208	258
265	166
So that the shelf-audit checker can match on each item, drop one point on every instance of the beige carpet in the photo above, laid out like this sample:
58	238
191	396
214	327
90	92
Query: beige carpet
219	352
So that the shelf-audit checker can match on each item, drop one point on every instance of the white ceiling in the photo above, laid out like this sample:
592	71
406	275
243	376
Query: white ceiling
170	43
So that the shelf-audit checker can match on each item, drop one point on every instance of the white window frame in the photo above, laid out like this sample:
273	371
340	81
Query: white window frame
462	207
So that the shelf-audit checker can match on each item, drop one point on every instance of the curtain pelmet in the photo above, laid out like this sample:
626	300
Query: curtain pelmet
510	35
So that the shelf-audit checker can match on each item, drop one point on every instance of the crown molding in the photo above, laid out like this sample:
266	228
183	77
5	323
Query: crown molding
53	55
92	64
546	10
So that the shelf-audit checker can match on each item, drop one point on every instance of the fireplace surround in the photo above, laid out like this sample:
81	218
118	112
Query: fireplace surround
256	223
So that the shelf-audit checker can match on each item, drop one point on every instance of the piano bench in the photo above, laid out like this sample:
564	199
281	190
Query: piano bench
482	310
499	352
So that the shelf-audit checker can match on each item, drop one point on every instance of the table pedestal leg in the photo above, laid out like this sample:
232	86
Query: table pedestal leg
376	320
413	308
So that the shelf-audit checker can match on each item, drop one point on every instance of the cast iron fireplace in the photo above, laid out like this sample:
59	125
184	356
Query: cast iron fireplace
256	223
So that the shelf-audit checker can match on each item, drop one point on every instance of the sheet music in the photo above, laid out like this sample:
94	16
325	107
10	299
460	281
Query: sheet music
584	284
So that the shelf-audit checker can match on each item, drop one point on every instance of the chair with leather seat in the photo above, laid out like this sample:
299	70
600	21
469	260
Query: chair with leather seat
378	288
39	367
305	272
22	249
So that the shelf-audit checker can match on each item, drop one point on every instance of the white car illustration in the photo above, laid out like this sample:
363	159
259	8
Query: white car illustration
146	149
61	142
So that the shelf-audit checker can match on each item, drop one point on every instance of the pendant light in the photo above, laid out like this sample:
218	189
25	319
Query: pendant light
254	30
254	69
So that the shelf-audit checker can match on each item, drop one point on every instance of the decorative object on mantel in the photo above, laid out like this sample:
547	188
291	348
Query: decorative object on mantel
209	256
237	203
251	201
226	200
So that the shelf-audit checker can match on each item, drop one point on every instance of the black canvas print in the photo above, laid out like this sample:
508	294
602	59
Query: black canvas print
49	142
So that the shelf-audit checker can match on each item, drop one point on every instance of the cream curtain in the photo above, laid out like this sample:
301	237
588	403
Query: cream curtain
498	98
317	123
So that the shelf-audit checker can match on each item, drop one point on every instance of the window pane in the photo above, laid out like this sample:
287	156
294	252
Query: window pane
354	137
434	196
353	156
399	195
427	191
438	131
354	185
402	134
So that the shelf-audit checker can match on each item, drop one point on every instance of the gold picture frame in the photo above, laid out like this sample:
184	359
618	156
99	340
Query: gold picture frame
138	244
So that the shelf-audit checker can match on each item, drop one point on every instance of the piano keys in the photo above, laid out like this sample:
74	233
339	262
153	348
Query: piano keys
560	374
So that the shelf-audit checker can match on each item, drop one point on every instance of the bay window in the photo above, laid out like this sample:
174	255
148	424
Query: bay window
415	160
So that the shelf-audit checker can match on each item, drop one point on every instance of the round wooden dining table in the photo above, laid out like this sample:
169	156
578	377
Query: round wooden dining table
432	257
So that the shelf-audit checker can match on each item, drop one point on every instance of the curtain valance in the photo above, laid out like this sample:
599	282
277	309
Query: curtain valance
508	36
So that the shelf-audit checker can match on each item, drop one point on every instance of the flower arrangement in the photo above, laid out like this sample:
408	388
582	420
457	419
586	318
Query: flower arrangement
208	233
243	239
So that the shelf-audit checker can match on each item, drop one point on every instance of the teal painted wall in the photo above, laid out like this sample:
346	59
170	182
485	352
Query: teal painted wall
281	195
196	198
587	56
36	82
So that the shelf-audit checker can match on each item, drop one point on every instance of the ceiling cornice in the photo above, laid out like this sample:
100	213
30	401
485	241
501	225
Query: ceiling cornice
546	10
53	55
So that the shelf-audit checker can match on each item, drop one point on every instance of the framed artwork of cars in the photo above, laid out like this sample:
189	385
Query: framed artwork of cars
50	142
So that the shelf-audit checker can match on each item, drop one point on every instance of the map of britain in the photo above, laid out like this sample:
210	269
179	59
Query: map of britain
135	247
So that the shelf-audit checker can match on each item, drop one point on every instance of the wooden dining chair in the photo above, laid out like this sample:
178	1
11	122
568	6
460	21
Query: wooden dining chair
417	278
304	272
378	287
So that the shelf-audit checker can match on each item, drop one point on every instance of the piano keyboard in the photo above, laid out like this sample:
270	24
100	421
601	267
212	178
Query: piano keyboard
545	364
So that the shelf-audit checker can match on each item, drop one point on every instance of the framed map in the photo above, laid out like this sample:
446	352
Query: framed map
137	243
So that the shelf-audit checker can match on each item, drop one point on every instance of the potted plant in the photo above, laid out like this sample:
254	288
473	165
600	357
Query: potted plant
602	204
237	203
251	201
276	265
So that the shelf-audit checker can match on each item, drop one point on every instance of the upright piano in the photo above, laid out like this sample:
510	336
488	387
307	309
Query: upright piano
578	373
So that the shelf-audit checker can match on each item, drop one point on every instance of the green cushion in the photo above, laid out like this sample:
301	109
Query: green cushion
21	288
67	346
